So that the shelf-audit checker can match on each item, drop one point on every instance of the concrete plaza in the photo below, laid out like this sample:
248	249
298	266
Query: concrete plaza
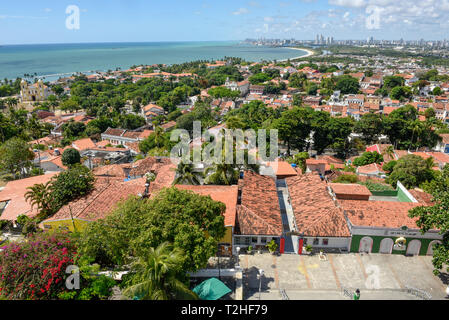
379	277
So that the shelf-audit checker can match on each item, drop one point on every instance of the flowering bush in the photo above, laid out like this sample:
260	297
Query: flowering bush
35	270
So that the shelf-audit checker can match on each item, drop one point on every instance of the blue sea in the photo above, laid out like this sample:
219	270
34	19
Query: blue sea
51	61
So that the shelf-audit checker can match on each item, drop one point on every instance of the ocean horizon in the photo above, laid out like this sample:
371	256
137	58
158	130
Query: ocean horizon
51	61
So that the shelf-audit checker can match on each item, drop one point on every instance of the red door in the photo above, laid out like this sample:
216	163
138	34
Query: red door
301	243
282	246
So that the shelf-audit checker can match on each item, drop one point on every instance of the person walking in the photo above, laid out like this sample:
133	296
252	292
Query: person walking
357	295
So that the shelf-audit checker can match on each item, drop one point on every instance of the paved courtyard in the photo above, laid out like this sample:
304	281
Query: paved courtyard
309	278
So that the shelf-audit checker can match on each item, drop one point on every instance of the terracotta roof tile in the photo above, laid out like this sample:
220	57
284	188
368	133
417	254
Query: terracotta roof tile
259	212
14	192
282	169
83	144
315	212
101	201
350	189
225	194
379	213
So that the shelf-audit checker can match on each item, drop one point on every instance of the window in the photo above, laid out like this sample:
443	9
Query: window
263	240
246	241
325	242
305	241
316	241
3	206
254	239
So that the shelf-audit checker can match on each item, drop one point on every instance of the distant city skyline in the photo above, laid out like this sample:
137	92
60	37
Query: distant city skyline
32	22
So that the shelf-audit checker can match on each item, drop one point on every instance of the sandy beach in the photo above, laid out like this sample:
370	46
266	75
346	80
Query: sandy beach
309	53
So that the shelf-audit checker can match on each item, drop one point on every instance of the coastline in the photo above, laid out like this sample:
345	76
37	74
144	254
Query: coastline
52	74
309	53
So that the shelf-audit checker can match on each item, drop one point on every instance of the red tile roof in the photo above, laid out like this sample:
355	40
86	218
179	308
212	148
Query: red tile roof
115	132
141	167
14	192
315	212
350	189
259	212
282	169
165	175
370	169
379	213
225	194
101	201
83	144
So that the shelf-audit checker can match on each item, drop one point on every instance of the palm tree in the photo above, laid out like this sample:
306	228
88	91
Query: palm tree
222	174
11	102
186	174
416	127
156	276
430	163
389	151
159	138
40	196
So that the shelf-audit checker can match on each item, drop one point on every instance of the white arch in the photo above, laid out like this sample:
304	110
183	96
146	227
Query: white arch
366	244
386	246
414	247
430	249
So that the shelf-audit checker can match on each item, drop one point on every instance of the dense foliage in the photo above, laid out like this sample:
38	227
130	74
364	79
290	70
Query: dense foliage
36	270
179	217
436	217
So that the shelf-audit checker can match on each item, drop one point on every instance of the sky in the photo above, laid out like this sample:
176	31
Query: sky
44	21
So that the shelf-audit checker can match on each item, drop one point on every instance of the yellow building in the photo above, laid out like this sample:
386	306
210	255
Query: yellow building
36	92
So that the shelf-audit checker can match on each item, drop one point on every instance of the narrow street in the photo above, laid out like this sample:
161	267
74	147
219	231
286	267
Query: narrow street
288	220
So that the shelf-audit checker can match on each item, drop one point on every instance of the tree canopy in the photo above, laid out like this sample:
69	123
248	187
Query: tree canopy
190	222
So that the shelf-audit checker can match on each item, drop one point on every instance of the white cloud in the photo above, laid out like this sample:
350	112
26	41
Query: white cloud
240	11
254	4
48	10
348	3
268	19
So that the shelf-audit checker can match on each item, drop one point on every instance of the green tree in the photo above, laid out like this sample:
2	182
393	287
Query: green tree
436	217
368	158
297	80
370	126
389	167
70	157
234	122
222	92
391	82
401	93
157	276
40	196
191	222
300	160
411	171
185	174
259	78
347	84
71	184
157	140
295	126
73	130
16	157
437	91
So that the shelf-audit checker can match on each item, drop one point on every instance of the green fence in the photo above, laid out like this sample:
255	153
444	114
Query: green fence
386	193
